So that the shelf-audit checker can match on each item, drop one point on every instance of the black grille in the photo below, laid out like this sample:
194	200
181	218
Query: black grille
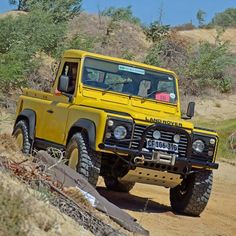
165	136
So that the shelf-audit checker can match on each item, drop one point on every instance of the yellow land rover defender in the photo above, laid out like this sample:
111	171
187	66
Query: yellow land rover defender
121	120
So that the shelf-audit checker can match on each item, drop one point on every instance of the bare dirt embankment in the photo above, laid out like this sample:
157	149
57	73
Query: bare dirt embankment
150	205
217	107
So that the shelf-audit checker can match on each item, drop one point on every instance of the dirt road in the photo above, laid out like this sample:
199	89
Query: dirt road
219	217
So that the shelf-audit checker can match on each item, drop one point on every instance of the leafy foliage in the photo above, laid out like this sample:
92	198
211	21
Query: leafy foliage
201	66
201	18
156	31
226	18
209	65
20	40
60	10
122	13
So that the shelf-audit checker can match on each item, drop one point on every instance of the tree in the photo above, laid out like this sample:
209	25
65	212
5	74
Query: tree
201	17
21	4
122	13
61	10
226	18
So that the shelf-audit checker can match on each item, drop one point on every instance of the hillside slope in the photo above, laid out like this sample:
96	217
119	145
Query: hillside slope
120	39
209	35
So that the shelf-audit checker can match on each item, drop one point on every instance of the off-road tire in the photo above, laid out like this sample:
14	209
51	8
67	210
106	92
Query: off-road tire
22	127
89	162
115	185
191	197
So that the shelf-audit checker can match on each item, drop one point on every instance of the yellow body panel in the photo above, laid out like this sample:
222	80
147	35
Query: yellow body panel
55	115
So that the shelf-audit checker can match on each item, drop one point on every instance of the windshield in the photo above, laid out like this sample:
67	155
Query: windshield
130	80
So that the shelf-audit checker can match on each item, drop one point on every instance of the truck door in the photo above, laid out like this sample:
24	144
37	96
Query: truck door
56	114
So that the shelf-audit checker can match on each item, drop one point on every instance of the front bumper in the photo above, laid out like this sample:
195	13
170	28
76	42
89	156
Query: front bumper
187	162
182	164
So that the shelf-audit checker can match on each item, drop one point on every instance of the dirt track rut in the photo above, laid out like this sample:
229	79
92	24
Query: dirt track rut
219	217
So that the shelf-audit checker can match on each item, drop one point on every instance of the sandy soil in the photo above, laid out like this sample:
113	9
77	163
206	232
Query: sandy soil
218	108
150	206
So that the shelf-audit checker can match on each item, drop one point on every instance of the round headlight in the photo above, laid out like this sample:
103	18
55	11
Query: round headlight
198	145
120	132
156	134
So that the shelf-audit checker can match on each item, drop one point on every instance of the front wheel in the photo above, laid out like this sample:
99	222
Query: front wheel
119	186
83	159
21	134
192	195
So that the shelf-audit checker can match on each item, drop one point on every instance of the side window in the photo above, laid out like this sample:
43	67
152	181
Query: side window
70	69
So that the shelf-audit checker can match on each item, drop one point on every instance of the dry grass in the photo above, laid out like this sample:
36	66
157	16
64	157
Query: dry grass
12	14
209	35
22	212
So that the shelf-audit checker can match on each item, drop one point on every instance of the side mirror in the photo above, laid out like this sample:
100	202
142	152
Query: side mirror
63	83
190	110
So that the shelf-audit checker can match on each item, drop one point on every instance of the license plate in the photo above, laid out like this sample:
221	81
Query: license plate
162	145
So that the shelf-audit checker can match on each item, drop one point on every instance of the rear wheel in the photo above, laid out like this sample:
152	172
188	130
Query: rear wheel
83	159
116	185
21	134
192	195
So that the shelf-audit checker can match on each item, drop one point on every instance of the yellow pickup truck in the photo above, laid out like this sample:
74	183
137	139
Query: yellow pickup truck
121	119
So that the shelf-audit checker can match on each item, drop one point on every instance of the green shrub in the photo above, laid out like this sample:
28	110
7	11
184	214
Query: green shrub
226	18
21	39
156	31
60	10
122	13
199	67
208	67
15	66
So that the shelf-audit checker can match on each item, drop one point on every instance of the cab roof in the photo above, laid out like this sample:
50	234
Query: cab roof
72	53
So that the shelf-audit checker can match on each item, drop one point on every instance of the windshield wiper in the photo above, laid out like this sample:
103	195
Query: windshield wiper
148	95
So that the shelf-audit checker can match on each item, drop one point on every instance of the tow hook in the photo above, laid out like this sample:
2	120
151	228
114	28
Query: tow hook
139	160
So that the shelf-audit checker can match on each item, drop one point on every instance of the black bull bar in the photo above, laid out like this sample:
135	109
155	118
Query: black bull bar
187	161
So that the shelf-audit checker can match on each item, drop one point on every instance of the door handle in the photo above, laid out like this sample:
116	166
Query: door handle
50	111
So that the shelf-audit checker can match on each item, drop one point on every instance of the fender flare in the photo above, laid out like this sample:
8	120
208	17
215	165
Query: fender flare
30	116
84	124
